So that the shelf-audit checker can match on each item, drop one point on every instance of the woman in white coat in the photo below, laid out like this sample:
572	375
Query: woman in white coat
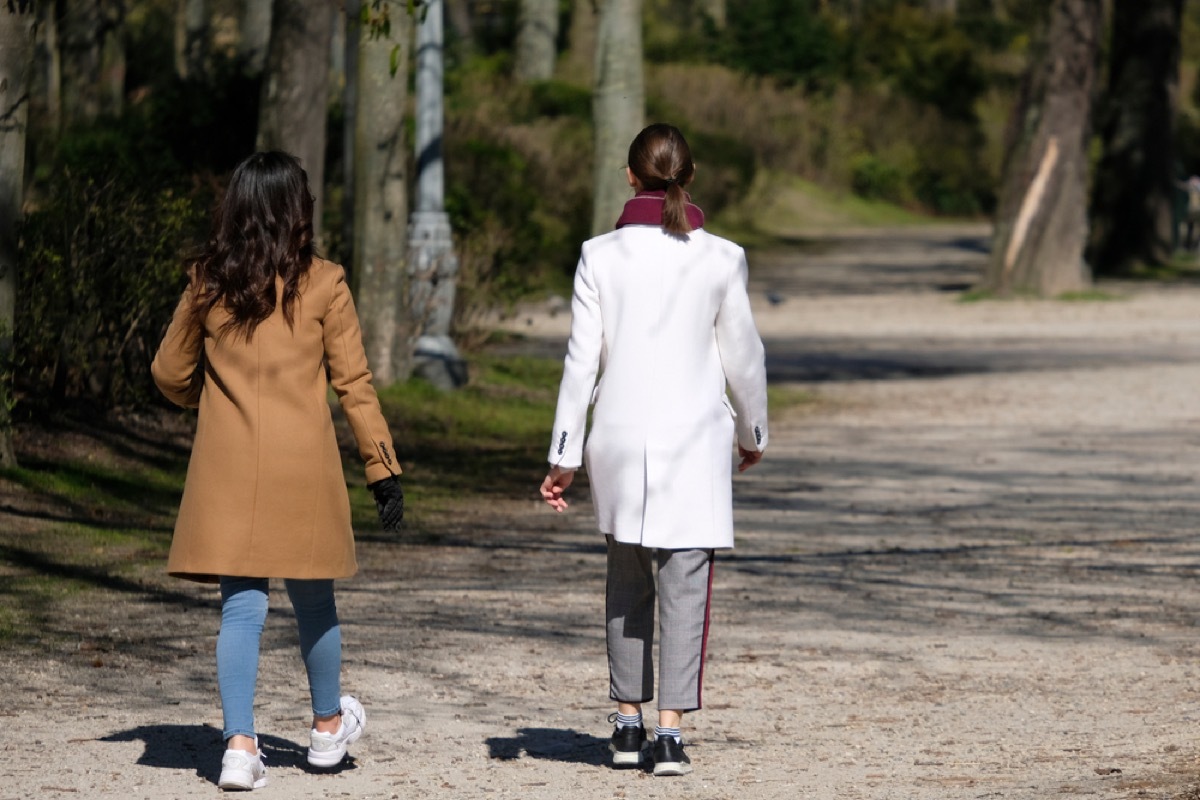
660	314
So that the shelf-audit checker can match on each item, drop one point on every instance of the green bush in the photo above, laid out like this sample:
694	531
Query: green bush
487	184
791	40
874	178
725	169
519	203
560	99
924	56
99	270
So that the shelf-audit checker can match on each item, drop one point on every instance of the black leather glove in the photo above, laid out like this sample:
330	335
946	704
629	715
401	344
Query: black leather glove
389	500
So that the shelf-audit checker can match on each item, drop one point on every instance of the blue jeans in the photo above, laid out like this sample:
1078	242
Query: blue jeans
243	612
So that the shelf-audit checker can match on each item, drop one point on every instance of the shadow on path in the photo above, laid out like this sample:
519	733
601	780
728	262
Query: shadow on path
199	747
550	744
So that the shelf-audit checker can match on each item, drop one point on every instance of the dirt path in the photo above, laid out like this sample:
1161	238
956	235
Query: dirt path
969	572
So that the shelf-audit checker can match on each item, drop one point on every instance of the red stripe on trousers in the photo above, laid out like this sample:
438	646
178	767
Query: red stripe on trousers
704	641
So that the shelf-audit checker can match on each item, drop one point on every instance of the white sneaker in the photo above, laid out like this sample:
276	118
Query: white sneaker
328	749
242	770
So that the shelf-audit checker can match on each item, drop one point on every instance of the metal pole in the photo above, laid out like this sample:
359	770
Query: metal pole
432	264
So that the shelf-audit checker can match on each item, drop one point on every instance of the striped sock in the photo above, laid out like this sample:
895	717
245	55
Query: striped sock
674	733
629	720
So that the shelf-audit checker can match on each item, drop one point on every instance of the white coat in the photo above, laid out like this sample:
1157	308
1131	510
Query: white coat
665	322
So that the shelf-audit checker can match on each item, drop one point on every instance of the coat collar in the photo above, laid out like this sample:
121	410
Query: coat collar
645	208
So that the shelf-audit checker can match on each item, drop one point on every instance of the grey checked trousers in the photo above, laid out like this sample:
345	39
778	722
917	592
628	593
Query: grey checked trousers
684	592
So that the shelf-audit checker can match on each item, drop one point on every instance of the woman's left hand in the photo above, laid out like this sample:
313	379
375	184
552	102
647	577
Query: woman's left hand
389	501
556	482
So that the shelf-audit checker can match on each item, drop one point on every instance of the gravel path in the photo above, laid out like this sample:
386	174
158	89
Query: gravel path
967	571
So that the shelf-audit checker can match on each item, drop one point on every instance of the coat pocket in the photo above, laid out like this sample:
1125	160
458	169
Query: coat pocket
728	405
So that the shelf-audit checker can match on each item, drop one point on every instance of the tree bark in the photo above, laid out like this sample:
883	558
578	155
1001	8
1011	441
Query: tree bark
458	15
255	36
381	203
81	42
48	67
295	90
537	40
618	105
112	61
1134	194
1041	222
338	45
349	120
191	38
581	41
715	9
16	68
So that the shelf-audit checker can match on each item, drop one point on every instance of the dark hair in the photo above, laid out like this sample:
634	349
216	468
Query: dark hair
660	158
262	228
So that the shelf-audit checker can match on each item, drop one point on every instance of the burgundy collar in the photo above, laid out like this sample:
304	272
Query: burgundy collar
645	208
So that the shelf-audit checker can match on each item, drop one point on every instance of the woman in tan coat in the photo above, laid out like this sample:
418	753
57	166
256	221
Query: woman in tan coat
262	330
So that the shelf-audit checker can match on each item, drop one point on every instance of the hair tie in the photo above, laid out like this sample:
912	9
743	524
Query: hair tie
671	182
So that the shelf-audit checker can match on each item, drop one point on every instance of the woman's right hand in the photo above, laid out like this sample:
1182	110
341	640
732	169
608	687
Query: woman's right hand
749	458
556	482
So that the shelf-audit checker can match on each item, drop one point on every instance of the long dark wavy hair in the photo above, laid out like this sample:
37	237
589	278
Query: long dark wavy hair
262	228
660	158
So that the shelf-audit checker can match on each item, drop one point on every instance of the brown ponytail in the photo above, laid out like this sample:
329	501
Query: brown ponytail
660	158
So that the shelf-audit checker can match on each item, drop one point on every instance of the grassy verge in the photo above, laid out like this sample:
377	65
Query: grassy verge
75	523
785	206
483	442
1084	296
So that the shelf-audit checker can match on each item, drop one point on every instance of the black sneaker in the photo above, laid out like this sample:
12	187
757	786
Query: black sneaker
669	758
627	746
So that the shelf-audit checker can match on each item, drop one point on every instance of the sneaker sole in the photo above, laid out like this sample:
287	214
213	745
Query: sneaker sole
669	768
333	757
241	783
622	758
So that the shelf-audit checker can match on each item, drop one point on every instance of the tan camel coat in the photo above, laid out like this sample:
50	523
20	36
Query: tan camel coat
265	495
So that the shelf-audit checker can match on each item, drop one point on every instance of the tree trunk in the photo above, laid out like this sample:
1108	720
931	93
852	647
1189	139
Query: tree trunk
338	45
381	203
617	106
537	40
458	15
1041	221
349	120
47	78
581	41
255	36
1135	188
191	38
715	10
295	90
81	42
949	7
113	62
16	67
